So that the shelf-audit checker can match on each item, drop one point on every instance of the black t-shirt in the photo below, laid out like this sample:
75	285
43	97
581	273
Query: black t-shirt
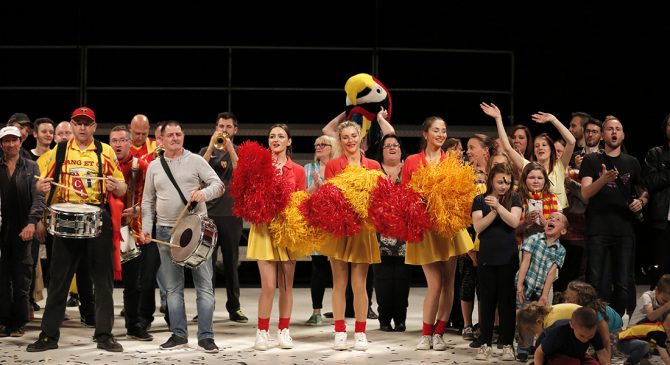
497	243
607	212
560	339
222	165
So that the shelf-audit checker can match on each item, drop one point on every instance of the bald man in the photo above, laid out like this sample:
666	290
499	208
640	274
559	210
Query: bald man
141	144
63	132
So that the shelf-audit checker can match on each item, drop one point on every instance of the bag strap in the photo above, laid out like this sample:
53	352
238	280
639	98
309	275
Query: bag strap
98	151
169	175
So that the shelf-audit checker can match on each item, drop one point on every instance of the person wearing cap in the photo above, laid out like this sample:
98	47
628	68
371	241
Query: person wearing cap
141	145
84	156
22	122
22	209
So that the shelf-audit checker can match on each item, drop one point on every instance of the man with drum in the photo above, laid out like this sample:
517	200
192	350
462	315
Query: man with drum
139	273
22	208
172	184
86	173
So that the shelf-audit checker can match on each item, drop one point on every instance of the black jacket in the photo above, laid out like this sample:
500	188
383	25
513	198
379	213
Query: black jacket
31	201
656	179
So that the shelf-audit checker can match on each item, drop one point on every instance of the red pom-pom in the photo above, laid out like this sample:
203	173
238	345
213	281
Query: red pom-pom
259	192
398	211
330	211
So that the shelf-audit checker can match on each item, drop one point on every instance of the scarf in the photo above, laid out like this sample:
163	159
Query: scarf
549	202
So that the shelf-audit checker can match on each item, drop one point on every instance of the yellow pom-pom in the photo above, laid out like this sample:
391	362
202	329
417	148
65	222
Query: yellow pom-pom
448	189
356	184
290	230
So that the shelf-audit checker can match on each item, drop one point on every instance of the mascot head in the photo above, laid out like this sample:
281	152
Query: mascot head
365	97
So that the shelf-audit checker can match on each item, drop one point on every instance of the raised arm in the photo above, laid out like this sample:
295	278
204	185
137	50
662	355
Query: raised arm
384	125
492	111
331	128
541	117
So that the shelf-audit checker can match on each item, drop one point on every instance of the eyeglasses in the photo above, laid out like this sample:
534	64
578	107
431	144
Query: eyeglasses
321	145
395	145
85	124
120	140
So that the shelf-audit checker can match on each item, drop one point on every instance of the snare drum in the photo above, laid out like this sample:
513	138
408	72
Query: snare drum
74	220
196	236
128	248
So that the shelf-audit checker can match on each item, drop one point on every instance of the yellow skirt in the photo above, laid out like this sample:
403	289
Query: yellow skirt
435	248
359	249
260	246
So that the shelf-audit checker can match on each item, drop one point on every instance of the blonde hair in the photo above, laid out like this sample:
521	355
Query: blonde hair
334	146
531	313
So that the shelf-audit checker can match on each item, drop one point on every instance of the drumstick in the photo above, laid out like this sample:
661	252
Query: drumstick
181	215
61	186
159	241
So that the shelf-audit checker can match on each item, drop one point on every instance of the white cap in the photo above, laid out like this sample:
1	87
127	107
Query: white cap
10	131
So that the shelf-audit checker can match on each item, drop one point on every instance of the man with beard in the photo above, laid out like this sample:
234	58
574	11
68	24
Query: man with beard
610	183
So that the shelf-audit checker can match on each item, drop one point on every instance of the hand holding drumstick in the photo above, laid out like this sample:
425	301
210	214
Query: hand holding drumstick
196	196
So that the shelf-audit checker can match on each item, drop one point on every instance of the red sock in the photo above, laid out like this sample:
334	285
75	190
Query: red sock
360	326
340	326
263	324
283	323
427	329
440	327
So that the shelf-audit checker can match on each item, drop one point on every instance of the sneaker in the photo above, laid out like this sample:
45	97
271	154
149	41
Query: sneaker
314	320
328	315
18	332
361	343
42	344
139	336
73	301
238	316
476	344
174	342
262	340
207	345
507	353
483	353
438	343
522	354
284	339
425	343
109	344
468	333
372	314
340	341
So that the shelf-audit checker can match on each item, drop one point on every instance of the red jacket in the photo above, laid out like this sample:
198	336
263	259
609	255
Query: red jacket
334	167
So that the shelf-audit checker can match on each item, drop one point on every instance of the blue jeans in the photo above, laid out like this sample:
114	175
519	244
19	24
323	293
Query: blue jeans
620	250
172	276
635	349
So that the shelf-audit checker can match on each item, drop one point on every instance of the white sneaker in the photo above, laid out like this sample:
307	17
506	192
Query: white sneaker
262	340
284	339
438	343
361	343
483	353
340	341
425	343
508	353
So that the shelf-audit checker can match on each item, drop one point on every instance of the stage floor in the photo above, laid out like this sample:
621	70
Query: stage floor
313	345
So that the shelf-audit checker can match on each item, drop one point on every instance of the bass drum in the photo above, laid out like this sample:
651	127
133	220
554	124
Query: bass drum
196	237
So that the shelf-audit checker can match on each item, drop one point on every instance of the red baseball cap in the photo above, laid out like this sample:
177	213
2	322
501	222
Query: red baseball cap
83	112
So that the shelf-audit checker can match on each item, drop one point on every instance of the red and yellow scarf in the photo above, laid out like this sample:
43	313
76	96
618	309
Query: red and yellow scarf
549	202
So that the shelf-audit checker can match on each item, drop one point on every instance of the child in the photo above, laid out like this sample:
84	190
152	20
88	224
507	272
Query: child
653	305
495	215
609	321
533	318
538	202
542	256
566	342
636	341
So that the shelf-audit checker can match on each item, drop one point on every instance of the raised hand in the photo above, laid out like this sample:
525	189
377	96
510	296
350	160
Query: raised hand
491	110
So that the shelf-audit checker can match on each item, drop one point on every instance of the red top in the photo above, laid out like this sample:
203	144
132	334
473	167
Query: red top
126	166
413	162
295	175
335	166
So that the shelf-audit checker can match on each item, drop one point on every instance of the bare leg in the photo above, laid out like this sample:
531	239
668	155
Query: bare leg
268	271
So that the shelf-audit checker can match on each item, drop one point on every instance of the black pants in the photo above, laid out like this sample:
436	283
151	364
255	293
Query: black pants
139	293
574	265
85	291
321	274
98	253
613	257
16	275
230	232
497	289
34	253
349	294
392	278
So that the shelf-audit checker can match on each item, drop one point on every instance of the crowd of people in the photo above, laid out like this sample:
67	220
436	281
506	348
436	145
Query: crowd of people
549	255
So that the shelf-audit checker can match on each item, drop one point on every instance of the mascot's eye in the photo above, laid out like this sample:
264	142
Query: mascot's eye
379	90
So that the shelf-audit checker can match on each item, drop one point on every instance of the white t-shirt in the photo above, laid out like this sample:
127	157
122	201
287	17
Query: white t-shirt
648	297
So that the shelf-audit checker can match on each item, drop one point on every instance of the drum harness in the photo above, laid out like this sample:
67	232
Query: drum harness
176	186
61	149
133	181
